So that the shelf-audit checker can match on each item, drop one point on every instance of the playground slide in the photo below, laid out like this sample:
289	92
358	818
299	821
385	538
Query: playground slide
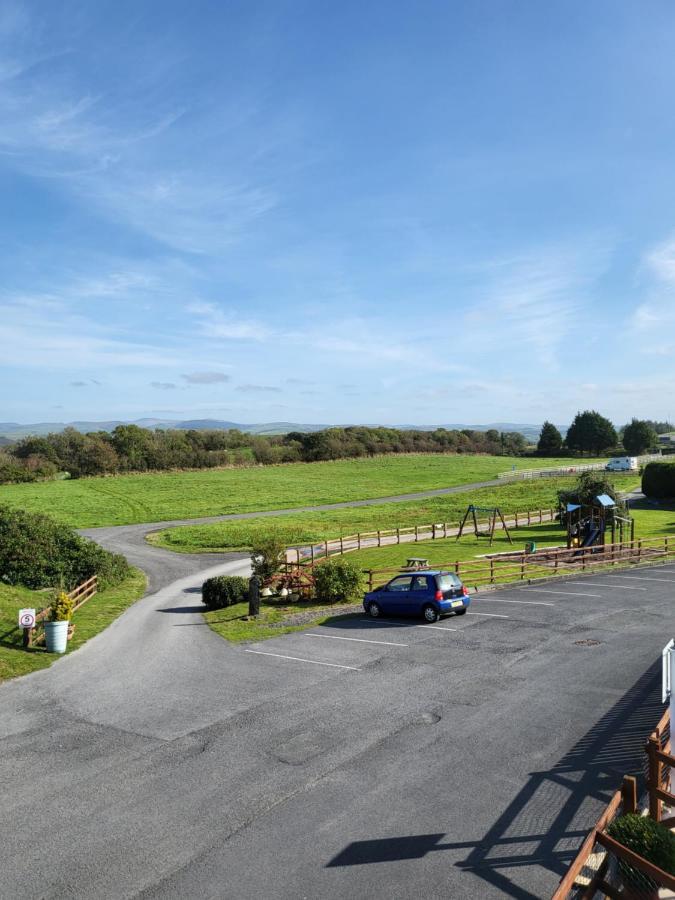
591	537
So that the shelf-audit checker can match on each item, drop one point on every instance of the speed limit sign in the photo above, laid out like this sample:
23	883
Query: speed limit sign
26	618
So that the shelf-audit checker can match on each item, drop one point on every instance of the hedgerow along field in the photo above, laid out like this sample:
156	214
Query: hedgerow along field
313	527
166	496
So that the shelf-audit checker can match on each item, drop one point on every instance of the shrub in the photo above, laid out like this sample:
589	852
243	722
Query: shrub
658	480
61	608
39	552
651	840
267	557
224	590
338	579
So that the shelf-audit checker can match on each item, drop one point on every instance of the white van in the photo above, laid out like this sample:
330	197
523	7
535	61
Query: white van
622	464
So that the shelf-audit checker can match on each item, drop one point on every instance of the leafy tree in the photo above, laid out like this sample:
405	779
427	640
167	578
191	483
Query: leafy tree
550	440
268	556
638	437
589	485
591	433
513	443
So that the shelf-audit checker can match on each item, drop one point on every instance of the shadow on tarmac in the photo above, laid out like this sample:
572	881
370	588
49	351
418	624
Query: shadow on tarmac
547	821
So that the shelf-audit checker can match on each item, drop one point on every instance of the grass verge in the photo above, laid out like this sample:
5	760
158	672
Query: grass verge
92	618
234	625
166	496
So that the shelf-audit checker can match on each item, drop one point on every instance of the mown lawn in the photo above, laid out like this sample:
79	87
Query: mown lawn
92	618
306	528
160	497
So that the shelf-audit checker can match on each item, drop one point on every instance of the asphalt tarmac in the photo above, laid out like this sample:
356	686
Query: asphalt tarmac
357	759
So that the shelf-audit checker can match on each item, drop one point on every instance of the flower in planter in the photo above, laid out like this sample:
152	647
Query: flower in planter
61	608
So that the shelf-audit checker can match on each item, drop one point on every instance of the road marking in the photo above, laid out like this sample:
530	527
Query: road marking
621	587
525	602
563	593
300	659
335	637
412	624
493	615
645	578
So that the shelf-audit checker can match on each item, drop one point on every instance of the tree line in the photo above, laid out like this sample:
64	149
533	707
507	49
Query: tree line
129	448
592	433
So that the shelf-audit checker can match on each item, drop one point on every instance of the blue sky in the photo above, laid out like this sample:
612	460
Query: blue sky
386	212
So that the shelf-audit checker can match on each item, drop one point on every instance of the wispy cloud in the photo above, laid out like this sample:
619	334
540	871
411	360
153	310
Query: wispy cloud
258	389
163	385
206	378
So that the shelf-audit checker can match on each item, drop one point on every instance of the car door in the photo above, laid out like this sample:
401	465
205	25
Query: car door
396	595
420	593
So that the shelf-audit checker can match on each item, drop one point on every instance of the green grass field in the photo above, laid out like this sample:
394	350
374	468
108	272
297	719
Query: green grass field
306	528
93	617
160	497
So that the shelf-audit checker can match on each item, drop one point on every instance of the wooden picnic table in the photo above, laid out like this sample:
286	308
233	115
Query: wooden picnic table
417	562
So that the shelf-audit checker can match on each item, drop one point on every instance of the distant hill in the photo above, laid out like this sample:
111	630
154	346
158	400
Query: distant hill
15	431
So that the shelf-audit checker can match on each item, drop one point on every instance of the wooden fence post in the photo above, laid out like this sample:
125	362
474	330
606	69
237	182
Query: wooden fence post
379	543
492	571
311	550
415	533
342	549
358	538
445	530
516	520
540	516
433	531
398	535
297	554
653	777
629	794
528	517
326	545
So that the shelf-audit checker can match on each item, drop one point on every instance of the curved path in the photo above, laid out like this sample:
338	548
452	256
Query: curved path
164	566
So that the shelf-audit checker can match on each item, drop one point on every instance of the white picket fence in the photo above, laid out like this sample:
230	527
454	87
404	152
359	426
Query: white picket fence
553	472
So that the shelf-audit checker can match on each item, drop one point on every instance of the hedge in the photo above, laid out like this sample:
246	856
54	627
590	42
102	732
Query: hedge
38	552
224	590
658	480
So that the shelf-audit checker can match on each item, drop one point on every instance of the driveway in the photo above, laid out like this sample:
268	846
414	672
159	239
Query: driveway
360	759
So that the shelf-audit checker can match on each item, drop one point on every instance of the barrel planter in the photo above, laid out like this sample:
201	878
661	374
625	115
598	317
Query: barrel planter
56	636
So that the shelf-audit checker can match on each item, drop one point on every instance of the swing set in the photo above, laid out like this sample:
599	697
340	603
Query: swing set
494	513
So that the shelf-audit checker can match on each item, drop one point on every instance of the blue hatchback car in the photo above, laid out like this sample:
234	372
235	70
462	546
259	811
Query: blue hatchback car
430	594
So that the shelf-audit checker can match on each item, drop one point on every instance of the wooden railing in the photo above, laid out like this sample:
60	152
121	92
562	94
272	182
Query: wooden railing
588	872
521	566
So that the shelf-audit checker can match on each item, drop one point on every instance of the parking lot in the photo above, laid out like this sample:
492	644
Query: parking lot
362	758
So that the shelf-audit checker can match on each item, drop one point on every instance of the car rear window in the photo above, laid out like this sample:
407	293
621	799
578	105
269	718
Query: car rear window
447	582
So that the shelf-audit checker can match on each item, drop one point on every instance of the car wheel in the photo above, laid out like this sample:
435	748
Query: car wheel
461	612
374	610
430	613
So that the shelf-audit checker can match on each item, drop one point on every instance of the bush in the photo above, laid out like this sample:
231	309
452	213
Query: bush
658	480
39	552
338	579
61	608
651	840
224	590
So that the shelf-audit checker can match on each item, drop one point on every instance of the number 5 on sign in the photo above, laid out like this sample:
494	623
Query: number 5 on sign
26	618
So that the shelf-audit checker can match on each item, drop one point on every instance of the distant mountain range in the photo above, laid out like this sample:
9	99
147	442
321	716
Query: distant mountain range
14	431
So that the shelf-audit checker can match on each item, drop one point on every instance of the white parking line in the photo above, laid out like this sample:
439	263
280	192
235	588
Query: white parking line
645	578
413	624
525	602
492	615
335	637
621	587
563	593
300	659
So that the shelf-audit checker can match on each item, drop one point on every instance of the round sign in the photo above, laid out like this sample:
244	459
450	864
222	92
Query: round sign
27	620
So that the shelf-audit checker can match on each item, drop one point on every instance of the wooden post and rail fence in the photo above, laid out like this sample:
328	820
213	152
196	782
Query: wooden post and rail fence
411	534
588	872
79	595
